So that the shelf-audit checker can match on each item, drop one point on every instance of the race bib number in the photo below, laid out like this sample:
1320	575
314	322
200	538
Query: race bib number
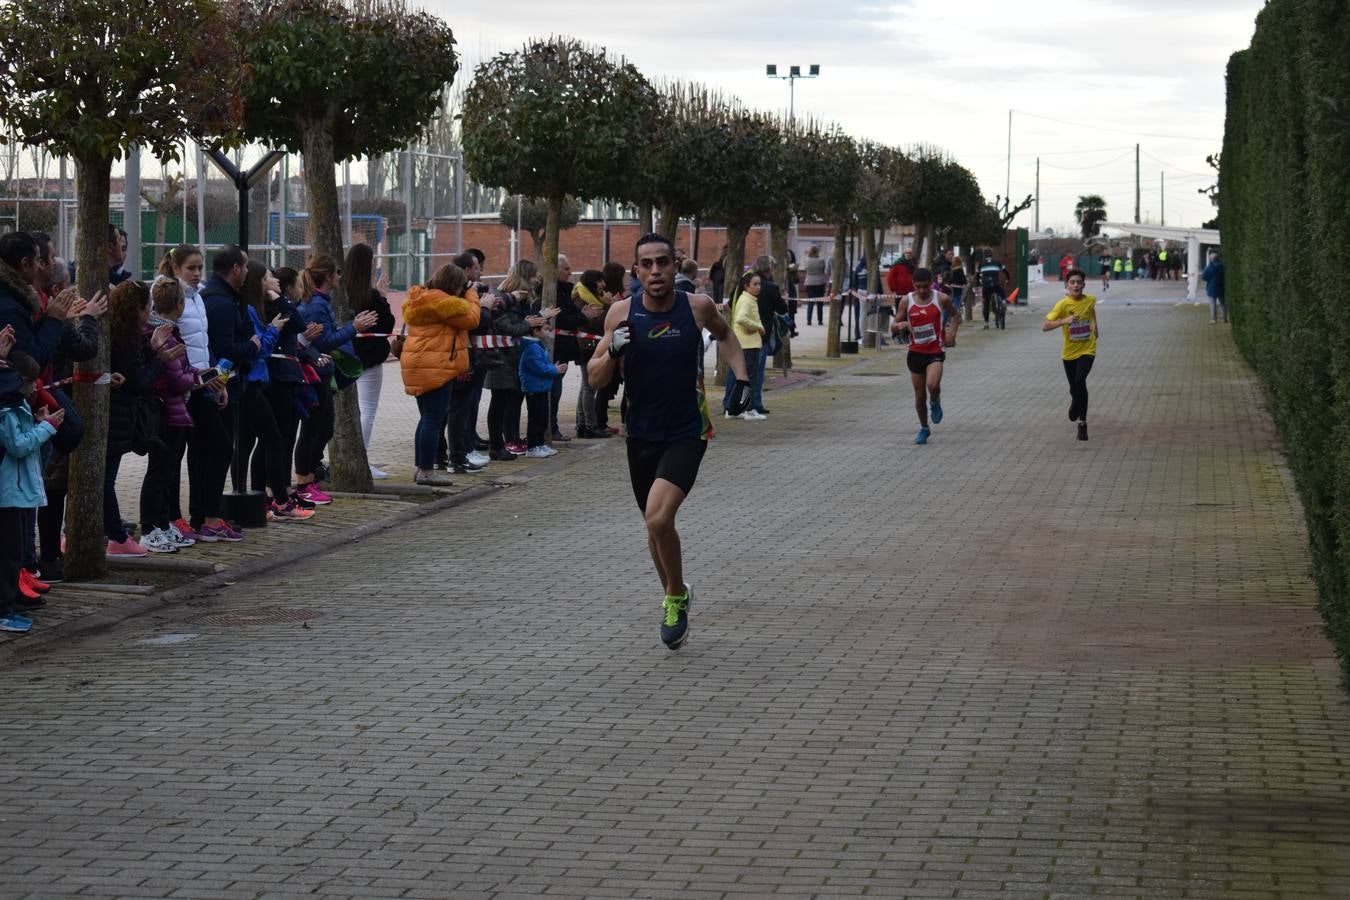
923	334
1080	330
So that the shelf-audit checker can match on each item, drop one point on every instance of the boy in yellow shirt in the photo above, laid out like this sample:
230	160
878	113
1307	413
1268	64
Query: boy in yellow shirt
1076	315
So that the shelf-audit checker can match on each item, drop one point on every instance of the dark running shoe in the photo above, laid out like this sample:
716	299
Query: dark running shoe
675	619
1082	431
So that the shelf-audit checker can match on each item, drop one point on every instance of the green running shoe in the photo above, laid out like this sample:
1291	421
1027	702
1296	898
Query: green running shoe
675	621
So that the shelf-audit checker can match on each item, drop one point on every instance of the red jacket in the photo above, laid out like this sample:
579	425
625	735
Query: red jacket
899	280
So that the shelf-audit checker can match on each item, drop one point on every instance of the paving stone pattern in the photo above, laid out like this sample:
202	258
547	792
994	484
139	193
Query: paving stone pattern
1005	664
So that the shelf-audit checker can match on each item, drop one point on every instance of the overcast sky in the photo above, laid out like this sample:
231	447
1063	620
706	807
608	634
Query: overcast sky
946	72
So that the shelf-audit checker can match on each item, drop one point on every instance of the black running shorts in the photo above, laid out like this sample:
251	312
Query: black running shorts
919	362
675	461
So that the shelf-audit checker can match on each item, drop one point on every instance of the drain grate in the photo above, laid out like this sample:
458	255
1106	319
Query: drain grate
264	615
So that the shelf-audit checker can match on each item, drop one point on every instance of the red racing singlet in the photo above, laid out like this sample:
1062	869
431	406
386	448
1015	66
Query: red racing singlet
925	325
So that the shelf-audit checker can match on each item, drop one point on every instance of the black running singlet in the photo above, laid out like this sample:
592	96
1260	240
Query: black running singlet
661	373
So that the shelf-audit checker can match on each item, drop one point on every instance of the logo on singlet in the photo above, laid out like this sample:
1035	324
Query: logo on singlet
663	329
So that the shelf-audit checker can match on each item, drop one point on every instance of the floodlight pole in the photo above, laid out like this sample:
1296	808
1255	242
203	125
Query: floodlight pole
794	72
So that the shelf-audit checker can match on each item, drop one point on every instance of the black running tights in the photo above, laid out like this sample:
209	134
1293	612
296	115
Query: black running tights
1076	370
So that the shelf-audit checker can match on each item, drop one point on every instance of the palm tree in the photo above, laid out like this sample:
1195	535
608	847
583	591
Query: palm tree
1090	213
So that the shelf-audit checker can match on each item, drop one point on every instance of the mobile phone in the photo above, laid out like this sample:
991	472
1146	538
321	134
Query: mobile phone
207	376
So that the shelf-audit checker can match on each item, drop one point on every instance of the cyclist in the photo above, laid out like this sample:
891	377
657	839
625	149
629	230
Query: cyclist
992	277
921	314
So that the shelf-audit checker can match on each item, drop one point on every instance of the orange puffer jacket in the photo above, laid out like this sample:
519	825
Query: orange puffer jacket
437	349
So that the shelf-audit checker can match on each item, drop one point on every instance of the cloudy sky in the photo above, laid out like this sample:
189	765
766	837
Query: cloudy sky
1087	79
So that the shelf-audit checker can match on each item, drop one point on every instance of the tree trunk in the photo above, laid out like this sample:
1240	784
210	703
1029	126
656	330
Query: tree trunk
779	242
645	217
873	287
837	285
670	223
347	452
549	270
86	544
538	240
732	266
840	258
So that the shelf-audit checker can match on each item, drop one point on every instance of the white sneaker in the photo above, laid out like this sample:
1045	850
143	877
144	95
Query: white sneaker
479	458
753	416
177	537
730	416
378	474
159	541
539	452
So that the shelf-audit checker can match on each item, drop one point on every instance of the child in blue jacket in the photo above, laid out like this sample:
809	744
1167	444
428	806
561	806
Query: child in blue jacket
537	372
21	438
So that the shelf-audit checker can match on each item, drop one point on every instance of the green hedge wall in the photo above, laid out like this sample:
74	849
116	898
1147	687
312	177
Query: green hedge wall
1284	187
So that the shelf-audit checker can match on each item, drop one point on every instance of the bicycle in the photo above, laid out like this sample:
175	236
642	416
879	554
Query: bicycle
1000	307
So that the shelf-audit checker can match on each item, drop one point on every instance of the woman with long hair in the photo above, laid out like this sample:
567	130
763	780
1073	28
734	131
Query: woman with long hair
358	279
172	386
131	359
749	328
435	353
512	319
258	423
317	281
187	265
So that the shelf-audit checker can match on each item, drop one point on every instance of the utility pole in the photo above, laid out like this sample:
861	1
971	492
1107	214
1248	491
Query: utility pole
1007	186
1162	197
1038	194
1136	184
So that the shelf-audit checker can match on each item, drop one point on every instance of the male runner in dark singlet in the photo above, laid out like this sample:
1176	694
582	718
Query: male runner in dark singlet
658	339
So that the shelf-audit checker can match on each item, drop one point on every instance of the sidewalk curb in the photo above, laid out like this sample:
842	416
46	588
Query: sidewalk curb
21	650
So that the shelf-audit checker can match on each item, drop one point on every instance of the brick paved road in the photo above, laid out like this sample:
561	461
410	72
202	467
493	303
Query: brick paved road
1004	664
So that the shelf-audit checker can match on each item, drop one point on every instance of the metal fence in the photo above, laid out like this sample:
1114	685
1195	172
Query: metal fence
409	206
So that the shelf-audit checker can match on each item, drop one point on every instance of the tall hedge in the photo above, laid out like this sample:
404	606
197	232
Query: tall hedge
1285	220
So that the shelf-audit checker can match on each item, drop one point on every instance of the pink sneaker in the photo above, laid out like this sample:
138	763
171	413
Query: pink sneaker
312	493
516	447
129	547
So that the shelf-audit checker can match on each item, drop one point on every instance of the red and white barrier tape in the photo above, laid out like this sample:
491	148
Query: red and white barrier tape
585	335
492	341
83	378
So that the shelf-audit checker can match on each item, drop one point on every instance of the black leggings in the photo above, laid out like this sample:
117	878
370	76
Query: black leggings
162	482
504	417
1076	370
315	432
210	446
270	466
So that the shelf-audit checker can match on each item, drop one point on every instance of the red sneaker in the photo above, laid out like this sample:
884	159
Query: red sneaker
27	577
28	590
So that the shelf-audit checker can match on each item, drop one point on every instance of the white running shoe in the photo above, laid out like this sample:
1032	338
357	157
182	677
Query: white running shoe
178	538
730	416
753	416
479	458
539	452
159	541
378	474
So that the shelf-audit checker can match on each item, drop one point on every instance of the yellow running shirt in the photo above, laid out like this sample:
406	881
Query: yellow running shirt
1079	338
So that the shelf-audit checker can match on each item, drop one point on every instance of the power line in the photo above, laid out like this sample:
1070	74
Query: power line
1177	169
1109	162
1051	153
1095	127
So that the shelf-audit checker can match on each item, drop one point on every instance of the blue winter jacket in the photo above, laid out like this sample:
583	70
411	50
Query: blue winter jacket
1213	278
537	371
21	466
319	308
257	369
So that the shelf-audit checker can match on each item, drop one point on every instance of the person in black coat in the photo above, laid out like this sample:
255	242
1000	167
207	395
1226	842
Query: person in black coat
211	445
358	280
771	304
134	368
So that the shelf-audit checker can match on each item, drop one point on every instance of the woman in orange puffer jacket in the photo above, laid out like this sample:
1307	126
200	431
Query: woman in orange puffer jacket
436	352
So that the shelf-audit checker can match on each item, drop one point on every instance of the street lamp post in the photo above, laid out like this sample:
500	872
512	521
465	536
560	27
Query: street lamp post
794	72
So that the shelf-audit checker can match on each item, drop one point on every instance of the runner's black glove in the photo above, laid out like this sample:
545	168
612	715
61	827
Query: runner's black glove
618	342
740	398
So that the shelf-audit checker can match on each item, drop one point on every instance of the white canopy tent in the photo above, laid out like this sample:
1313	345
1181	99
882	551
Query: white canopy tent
1194	238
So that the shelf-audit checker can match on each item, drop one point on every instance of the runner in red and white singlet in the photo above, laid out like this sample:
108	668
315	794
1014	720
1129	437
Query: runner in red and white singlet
921	315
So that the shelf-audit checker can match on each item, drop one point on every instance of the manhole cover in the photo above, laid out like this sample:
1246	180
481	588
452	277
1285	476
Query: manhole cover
266	615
